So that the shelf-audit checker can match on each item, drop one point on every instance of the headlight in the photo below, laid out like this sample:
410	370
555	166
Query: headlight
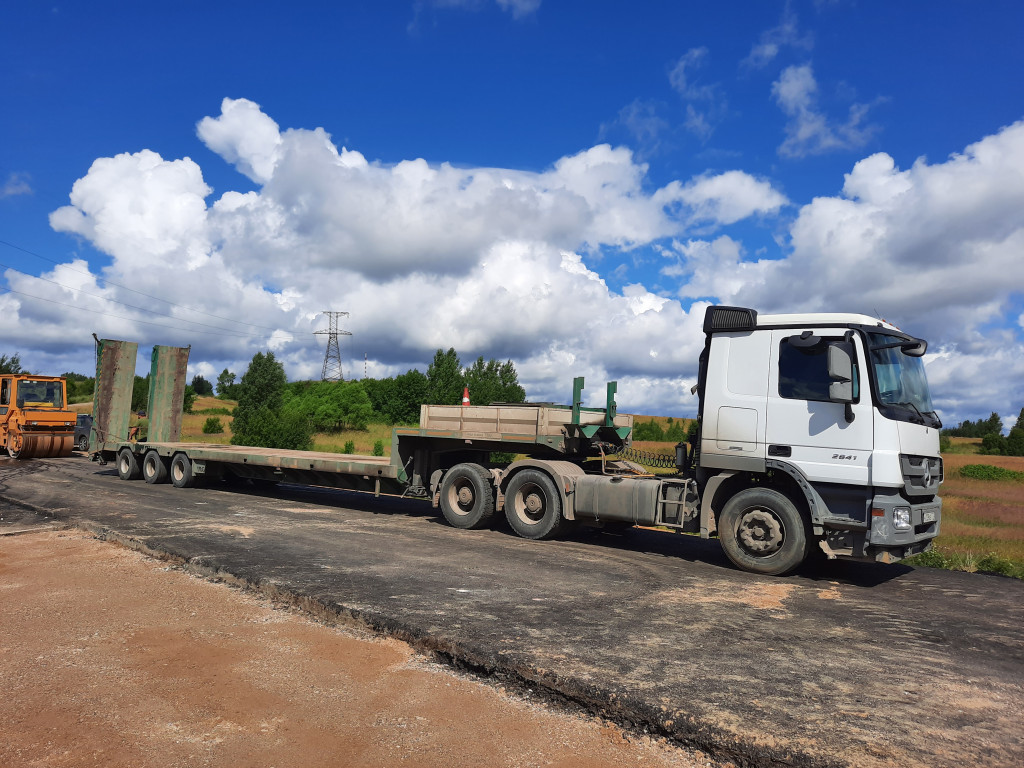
901	518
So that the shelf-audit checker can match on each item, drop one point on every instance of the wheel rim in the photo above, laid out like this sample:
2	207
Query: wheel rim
530	504
123	465
760	532
461	497
177	472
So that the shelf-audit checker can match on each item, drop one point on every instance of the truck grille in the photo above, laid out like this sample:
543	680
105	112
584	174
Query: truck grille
921	474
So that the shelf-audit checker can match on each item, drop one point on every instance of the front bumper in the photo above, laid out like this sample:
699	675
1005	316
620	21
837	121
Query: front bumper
882	541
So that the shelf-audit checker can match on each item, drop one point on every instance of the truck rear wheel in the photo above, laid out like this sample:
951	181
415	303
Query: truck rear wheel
532	505
466	497
127	465
762	531
181	471
153	468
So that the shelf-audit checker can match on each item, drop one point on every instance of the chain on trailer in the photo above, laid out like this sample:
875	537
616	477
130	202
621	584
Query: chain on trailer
646	458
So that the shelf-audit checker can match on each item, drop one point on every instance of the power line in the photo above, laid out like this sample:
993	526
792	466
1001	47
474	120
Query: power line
126	288
132	319
122	303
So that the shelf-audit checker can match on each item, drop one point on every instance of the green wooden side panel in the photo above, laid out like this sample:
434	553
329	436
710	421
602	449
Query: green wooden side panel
167	393
112	402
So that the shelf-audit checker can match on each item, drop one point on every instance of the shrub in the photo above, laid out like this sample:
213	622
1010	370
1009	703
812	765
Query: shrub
945	443
350	447
988	472
213	426
378	448
649	431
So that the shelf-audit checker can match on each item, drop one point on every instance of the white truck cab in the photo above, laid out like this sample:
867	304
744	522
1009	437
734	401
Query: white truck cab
827	416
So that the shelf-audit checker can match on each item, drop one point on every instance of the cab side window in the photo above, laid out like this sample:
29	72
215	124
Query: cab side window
803	371
5	392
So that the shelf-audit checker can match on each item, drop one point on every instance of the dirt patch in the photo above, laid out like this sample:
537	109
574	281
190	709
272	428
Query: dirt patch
109	658
769	597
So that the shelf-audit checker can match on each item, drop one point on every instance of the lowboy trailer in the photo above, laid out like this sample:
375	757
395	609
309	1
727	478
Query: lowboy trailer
816	433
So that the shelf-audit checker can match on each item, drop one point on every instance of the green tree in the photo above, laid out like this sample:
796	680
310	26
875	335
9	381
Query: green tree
444	378
260	418
140	393
493	382
202	387
226	387
409	394
80	387
11	364
189	400
676	431
648	430
397	400
331	406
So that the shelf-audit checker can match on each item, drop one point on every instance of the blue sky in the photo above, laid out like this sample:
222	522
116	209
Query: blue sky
563	183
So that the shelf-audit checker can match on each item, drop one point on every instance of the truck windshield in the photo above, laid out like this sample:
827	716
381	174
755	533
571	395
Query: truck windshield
35	394
900	382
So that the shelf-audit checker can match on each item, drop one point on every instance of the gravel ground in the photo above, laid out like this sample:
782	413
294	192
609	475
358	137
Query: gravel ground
111	658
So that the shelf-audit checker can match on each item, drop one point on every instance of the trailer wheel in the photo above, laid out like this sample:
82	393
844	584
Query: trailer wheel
181	471
467	500
532	505
762	531
127	465
154	470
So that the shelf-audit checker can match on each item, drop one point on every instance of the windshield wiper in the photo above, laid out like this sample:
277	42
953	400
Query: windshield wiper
919	412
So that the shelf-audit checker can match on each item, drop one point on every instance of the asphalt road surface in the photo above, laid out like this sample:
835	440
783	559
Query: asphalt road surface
841	664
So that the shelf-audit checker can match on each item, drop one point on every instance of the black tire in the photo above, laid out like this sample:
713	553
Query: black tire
127	465
533	506
181	471
154	469
467	498
762	531
83	443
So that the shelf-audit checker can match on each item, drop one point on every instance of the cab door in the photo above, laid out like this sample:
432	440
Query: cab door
804	428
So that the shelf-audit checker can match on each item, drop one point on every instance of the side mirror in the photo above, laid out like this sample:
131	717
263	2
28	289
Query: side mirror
840	371
916	348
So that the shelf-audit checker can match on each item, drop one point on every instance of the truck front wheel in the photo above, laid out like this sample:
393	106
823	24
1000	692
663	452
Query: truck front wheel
466	498
532	505
762	531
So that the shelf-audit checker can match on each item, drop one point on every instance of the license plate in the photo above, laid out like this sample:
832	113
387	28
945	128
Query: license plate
929	516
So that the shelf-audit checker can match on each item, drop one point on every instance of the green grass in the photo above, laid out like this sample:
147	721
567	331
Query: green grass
959	560
989	472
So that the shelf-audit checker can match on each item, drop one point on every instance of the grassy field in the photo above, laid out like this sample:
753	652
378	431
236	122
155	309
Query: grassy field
982	520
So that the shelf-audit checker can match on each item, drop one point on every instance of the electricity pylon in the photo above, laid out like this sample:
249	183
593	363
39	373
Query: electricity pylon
332	359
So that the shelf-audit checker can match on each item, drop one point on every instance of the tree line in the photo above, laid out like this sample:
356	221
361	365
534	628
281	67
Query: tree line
274	413
990	430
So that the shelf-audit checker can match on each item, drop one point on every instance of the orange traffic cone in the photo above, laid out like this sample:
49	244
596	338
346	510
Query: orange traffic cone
465	395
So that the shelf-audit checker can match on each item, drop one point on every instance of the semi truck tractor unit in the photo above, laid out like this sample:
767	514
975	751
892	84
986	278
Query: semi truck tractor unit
816	435
34	420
